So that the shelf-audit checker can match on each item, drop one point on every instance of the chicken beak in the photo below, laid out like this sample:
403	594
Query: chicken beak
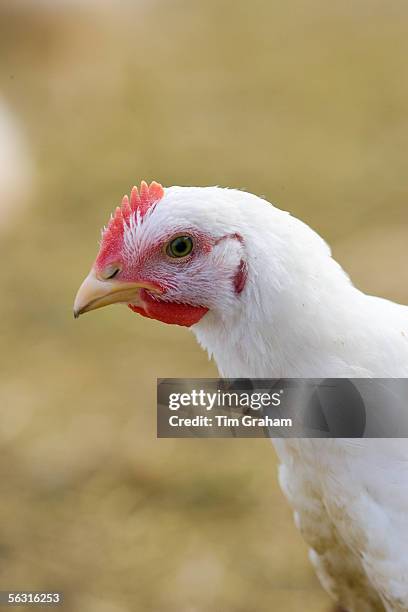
96	293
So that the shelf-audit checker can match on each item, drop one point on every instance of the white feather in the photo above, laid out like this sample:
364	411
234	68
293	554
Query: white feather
299	315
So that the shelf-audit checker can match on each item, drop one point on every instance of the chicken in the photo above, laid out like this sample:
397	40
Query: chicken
15	167
264	297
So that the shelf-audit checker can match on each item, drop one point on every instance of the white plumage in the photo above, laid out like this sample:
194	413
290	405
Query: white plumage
15	167
300	316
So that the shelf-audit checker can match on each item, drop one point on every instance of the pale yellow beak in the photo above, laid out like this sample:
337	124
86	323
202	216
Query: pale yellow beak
95	293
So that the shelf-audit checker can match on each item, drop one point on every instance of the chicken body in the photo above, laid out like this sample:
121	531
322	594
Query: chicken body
15	167
350	497
295	314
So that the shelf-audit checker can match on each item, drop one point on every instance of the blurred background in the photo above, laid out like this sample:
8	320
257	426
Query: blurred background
304	103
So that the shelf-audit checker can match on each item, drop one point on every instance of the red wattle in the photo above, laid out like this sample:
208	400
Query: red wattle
169	312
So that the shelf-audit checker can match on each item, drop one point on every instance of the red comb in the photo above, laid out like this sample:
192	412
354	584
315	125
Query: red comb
140	201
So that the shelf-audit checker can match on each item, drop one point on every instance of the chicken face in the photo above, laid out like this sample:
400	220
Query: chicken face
163	262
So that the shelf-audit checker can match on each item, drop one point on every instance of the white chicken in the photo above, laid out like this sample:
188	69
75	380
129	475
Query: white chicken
263	295
15	167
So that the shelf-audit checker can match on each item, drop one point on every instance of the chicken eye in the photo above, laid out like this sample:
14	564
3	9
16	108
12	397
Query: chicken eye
180	247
